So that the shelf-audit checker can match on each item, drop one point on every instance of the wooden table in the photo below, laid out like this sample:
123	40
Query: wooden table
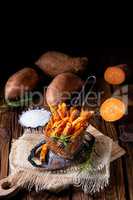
121	179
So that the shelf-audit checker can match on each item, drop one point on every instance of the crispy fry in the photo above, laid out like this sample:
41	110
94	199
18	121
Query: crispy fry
77	126
80	124
49	125
56	116
77	133
78	120
43	153
67	130
56	124
72	109
86	114
52	108
63	109
58	130
54	112
60	113
74	115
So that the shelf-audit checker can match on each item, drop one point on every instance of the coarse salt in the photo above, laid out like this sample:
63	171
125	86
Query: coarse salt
34	118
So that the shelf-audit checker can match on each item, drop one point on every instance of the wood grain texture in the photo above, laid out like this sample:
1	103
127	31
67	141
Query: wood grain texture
128	159
77	194
116	189
129	170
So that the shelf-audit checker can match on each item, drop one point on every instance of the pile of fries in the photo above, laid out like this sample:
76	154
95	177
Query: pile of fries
66	125
67	122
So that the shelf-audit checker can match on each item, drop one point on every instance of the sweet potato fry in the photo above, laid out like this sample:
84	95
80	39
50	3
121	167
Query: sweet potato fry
80	124
77	133
49	125
86	114
72	109
74	115
43	153
76	121
56	124
56	116
82	120
64	109
58	130
67	130
52	108
54	112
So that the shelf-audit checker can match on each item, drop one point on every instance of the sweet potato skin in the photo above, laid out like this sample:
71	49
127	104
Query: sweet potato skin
20	82
53	63
61	88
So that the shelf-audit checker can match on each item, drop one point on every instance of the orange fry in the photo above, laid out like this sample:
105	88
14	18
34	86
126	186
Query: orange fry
72	109
49	125
74	115
58	130
54	112
52	108
80	124
77	133
86	114
43	153
77	126
56	124
67	130
78	120
56	116
64	108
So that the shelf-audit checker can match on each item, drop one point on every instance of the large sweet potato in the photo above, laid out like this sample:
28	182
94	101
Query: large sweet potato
20	82
62	87
54	63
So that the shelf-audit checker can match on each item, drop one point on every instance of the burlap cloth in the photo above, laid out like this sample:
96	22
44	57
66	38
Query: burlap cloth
93	176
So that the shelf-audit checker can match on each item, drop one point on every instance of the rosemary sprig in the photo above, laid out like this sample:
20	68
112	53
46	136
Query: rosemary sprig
20	102
64	139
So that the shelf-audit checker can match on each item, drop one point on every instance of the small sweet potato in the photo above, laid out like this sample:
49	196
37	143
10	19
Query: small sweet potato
54	63
20	82
61	88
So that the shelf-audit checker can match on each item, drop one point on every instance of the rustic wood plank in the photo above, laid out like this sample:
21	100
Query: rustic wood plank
129	170
64	195
128	159
5	144
79	195
116	189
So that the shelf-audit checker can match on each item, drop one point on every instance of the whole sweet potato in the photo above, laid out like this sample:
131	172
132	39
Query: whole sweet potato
20	82
62	87
54	63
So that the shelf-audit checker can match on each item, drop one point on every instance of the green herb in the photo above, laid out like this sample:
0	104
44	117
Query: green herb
63	139
85	166
20	102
